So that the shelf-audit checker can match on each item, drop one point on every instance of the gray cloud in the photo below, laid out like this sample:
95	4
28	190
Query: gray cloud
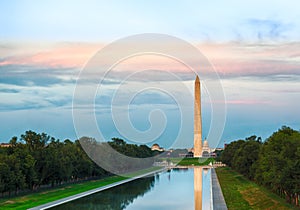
25	105
152	97
23	75
9	90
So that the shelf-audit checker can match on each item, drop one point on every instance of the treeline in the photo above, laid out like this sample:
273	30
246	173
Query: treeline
119	157
37	159
274	163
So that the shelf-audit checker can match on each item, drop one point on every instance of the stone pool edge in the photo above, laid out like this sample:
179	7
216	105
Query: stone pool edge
89	192
217	195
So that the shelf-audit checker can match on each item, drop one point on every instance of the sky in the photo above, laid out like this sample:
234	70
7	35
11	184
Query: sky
45	46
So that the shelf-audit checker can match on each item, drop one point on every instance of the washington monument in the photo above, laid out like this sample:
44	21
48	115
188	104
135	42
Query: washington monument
197	120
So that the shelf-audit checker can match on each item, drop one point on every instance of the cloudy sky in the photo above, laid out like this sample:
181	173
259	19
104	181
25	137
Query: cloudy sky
254	47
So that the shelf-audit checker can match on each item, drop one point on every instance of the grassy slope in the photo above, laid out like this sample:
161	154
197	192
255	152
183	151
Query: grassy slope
36	199
189	161
43	197
195	161
240	193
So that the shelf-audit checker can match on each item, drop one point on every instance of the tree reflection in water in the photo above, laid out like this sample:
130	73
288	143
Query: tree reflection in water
176	189
116	198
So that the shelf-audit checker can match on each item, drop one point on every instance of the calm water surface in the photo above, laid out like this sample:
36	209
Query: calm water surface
175	189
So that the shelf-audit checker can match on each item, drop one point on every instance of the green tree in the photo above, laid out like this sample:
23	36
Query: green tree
229	152
245	157
278	163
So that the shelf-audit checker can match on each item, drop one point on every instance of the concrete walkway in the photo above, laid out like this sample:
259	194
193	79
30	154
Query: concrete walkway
218	199
80	195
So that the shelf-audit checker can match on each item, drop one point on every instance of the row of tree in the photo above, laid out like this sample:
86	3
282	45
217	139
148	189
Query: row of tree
274	163
36	160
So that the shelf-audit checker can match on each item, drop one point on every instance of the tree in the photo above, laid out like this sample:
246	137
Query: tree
278	164
229	152
245	158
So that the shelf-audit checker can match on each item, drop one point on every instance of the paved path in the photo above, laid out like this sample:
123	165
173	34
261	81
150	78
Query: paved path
218	199
80	195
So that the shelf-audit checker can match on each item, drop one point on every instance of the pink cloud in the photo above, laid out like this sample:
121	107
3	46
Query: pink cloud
242	102
59	56
244	59
246	102
229	59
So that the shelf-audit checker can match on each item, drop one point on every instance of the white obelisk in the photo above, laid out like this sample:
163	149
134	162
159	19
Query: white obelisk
197	120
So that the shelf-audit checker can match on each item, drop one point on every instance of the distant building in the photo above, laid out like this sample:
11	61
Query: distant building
212	154
5	145
205	149
156	147
191	150
189	154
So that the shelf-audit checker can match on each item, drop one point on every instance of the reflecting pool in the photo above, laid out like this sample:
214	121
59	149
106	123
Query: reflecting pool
179	188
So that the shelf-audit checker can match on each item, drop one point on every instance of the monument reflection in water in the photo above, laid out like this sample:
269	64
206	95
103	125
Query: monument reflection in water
198	188
202	183
176	189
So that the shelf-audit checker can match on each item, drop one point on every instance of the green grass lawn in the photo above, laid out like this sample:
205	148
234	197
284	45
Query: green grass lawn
46	196
240	193
195	161
189	161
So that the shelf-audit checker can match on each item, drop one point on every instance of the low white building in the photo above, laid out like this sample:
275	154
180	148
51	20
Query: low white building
156	147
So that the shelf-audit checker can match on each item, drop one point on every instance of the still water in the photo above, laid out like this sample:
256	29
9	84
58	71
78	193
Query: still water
174	189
